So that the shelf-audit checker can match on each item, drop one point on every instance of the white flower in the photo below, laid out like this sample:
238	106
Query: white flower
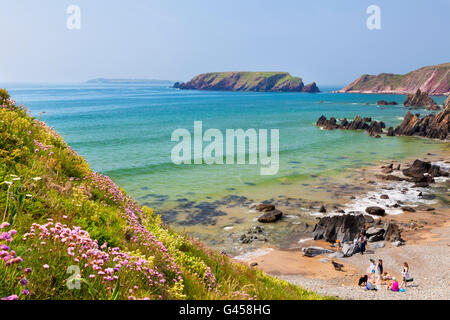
16	179
29	195
37	179
8	183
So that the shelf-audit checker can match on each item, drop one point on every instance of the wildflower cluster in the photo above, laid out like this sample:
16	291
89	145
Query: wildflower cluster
103	266
41	147
9	262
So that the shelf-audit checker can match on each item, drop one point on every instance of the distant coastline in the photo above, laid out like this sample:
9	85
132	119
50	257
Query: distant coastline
433	80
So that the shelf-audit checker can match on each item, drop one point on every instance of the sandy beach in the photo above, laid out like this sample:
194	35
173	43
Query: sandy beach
427	251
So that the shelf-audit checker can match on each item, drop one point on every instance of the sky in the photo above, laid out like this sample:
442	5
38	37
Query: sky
326	41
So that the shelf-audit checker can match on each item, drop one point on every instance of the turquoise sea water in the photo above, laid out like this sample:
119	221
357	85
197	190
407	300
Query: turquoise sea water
124	131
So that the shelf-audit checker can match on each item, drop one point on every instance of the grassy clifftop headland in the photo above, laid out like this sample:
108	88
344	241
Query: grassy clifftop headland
58	219
248	81
434	80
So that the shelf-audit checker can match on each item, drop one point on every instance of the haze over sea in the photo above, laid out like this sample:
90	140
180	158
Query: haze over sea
124	131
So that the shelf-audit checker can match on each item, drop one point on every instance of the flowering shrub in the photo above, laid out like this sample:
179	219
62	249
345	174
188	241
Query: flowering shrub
9	261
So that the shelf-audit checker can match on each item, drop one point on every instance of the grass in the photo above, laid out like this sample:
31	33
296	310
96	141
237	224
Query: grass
69	233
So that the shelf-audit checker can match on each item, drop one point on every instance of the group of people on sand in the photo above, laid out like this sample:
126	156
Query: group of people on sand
376	277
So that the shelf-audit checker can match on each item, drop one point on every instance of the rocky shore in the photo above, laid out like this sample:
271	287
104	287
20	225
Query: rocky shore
409	230
433	126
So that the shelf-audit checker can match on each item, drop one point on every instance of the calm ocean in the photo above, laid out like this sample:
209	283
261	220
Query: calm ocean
124	131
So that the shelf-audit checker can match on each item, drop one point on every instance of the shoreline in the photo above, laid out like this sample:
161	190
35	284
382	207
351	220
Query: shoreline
427	244
390	92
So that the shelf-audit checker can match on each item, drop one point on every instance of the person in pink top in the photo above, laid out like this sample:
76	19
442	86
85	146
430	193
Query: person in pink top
394	286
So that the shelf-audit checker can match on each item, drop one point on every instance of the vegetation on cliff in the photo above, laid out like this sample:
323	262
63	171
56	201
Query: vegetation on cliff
433	80
57	217
248	81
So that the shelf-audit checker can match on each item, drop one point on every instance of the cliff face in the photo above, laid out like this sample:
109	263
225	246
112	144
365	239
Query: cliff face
433	80
248	81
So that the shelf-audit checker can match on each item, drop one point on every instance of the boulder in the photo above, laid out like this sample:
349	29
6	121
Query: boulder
420	99
349	249
265	207
376	211
408	209
377	245
336	255
270	216
433	126
343	228
315	251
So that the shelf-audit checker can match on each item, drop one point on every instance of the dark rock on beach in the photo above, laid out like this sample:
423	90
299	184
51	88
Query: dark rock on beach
343	228
315	251
376	211
270	216
421	168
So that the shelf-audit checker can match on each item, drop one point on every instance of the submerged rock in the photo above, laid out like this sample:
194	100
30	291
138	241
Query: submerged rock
386	103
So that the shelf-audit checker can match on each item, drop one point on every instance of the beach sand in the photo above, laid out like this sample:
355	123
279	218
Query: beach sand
427	251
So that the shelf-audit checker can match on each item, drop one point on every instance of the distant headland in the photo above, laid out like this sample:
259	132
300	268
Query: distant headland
433	80
248	81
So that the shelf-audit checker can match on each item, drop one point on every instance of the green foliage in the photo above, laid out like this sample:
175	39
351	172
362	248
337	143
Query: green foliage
4	95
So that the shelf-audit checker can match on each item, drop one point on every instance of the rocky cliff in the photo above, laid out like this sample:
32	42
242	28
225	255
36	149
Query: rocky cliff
420	99
248	81
434	126
434	80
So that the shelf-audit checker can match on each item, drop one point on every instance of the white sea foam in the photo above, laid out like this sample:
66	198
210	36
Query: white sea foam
304	240
253	254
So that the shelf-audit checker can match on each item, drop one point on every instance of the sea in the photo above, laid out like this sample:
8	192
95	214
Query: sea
124	131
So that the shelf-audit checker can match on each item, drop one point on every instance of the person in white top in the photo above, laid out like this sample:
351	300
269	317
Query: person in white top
405	274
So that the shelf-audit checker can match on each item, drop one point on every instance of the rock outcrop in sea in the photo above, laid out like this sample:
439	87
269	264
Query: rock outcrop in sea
420	99
248	81
434	80
374	128
432	126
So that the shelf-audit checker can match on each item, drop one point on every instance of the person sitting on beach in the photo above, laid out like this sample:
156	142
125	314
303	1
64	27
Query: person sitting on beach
372	282
386	276
394	286
338	245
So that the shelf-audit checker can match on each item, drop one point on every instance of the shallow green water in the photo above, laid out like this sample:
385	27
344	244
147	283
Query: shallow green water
124	131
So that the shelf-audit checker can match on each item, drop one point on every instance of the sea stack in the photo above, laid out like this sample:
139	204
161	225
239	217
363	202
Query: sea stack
420	99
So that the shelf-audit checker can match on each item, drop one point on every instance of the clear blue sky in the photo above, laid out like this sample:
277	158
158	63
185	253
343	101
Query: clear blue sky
323	40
